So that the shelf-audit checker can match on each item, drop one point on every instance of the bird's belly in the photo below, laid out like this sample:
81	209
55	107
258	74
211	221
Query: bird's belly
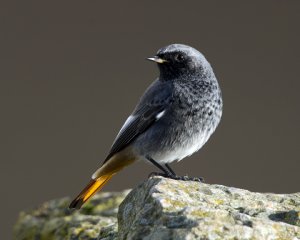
174	138
171	143
181	149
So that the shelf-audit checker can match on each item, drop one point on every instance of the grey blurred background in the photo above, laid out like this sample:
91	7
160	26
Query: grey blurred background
71	73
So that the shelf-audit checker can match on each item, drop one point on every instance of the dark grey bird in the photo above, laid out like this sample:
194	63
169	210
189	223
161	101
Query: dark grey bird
173	119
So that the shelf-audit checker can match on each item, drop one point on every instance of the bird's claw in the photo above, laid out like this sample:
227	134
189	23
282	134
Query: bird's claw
175	177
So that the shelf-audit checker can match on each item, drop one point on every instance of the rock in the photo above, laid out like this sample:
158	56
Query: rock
163	208
53	219
169	209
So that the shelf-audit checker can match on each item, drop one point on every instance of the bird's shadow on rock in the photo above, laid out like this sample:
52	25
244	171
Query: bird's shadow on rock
178	220
290	217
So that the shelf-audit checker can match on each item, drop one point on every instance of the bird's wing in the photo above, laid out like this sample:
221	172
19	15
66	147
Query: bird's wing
155	101
136	124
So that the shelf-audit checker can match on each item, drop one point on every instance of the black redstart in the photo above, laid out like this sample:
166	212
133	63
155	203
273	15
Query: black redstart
173	119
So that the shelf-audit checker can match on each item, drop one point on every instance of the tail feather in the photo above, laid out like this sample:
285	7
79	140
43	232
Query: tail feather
93	186
102	176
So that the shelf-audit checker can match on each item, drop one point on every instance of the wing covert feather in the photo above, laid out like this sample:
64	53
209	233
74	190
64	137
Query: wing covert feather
156	99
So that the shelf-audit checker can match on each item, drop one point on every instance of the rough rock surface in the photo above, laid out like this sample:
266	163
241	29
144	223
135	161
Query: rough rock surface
53	220
168	209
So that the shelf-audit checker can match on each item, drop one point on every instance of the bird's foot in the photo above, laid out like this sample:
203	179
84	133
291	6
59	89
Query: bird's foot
187	178
175	177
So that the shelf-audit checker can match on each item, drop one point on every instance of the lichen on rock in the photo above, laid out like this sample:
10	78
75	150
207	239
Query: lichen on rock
161	208
53	219
169	209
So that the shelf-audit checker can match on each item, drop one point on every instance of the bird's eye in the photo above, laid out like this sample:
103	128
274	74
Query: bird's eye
179	57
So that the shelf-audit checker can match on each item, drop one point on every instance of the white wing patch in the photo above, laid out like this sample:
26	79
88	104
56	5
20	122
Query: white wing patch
129	120
159	115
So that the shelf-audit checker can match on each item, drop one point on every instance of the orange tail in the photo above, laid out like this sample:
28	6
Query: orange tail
93	186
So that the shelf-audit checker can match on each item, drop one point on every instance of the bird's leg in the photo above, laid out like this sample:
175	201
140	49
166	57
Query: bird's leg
183	178
170	169
169	173
166	172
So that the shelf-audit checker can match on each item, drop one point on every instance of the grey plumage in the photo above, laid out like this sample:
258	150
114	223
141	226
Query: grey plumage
178	112
174	118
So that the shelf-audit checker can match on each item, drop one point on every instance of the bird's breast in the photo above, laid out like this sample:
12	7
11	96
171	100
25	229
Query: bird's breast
185	126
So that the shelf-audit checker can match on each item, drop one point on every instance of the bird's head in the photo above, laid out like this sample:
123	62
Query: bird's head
178	60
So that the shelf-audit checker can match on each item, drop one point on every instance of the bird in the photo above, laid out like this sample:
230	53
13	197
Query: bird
173	119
